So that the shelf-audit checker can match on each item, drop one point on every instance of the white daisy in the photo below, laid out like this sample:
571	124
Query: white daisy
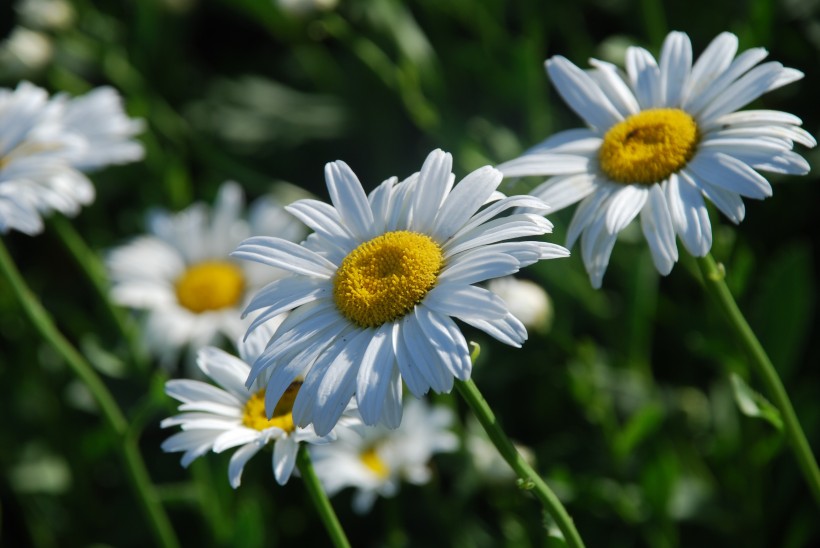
375	459
660	139
231	416
527	300
180	273
375	289
45	144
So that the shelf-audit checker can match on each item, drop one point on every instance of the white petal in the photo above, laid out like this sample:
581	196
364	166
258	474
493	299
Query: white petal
689	215
375	373
588	210
349	199
447	341
596	248
465	199
728	202
519	225
726	172
431	189
579	141
391	416
656	223
188	391
411	375
619	93
714	60
676	63
238	461
284	458
228	371
644	75
478	265
285	255
564	190
323	219
423	356
743	91
509	329
465	302
545	163
582	94
234	437
623	206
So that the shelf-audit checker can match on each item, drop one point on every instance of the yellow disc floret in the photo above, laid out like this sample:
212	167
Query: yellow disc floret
649	146
384	278
371	459
210	285
254	414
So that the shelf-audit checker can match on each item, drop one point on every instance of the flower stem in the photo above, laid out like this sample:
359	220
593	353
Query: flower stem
469	391
93	269
714	280
319	498
127	445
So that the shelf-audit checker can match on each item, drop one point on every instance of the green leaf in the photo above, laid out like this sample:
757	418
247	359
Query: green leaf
752	404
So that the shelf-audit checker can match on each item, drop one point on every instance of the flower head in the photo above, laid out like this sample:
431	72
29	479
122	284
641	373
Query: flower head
231	415
47	143
375	288
181	275
659	140
375	460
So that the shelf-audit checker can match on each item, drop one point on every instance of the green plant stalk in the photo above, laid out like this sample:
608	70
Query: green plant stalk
127	445
91	266
714	281
531	480
319	498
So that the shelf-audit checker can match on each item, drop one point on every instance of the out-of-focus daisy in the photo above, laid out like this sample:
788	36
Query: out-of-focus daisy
527	301
180	273
375	459
661	138
230	415
377	285
46	144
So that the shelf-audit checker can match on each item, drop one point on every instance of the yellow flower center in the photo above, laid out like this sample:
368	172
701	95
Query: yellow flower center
254	414
649	146
374	463
210	285
384	278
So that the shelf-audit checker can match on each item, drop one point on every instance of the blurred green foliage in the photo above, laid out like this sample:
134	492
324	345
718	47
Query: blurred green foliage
639	408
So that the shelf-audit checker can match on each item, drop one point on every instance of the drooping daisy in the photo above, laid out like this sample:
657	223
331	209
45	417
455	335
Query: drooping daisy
376	287
661	138
46	144
375	459
220	418
180	273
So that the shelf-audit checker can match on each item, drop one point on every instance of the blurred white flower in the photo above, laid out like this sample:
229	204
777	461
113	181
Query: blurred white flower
489	463
231	415
375	459
25	52
526	300
180	273
45	144
46	14
303	7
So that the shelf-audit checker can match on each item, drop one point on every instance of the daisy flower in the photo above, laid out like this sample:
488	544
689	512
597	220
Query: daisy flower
180	273
47	143
218	418
375	459
375	288
660	140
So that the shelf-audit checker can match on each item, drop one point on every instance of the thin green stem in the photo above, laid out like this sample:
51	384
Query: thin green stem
714	281
93	269
144	490
320	500
531	480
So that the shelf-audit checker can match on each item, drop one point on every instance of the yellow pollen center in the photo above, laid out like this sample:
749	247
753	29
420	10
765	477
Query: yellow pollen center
254	415
384	278
649	146
210	285
374	463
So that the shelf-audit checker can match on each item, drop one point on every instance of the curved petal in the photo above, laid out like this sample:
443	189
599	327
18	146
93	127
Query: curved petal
284	459
349	199
656	223
582	94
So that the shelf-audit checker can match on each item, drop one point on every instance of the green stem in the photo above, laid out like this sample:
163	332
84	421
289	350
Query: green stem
469	391
319	499
129	451
93	269
714	280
